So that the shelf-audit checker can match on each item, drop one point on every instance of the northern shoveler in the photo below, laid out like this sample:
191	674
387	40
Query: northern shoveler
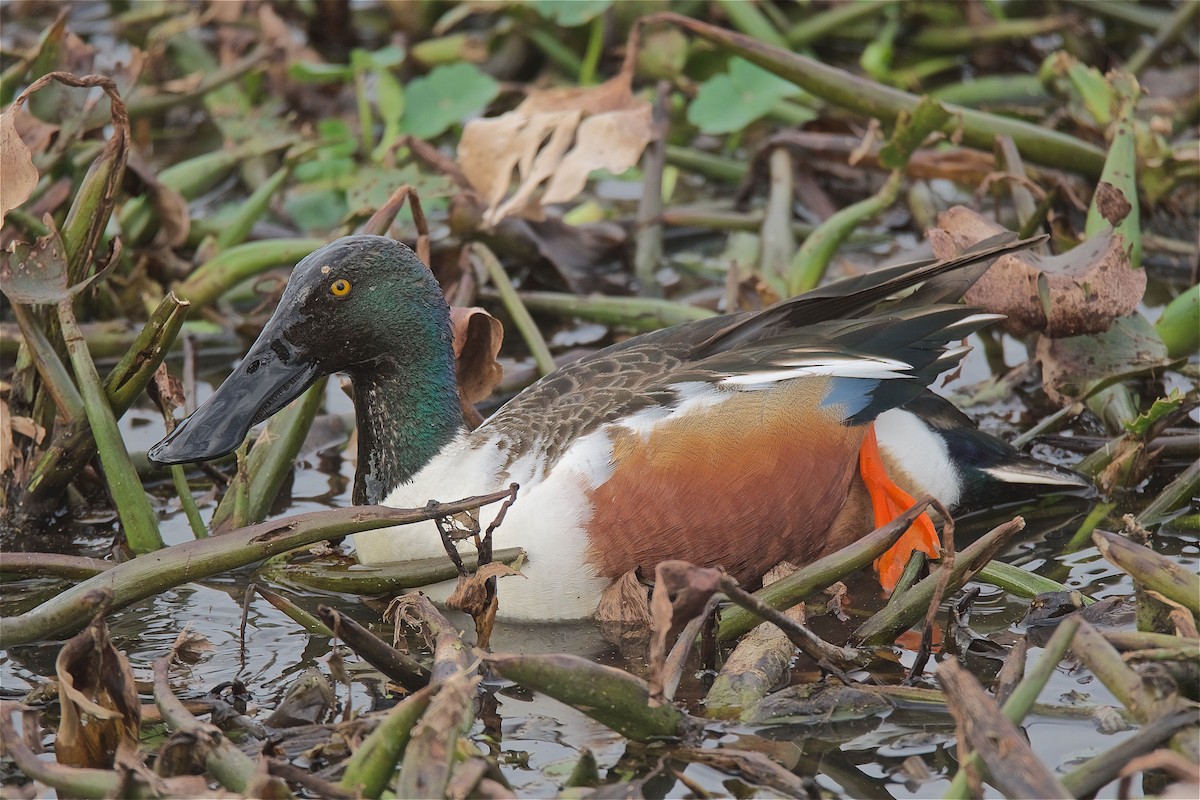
738	441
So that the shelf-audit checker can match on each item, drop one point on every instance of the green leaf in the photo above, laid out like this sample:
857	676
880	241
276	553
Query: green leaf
372	188
316	209
570	13
1161	407
447	95
324	169
730	102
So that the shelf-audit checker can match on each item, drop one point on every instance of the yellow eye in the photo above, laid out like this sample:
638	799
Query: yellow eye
340	287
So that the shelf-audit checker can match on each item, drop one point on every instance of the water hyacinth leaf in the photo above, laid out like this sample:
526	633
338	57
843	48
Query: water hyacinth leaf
570	13
1076	367
446	96
16	164
1160	408
731	101
36	274
1080	291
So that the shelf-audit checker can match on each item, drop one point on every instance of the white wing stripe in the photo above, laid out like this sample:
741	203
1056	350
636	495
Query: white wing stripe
871	368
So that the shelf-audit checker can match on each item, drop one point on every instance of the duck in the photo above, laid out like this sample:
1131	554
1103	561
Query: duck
738	441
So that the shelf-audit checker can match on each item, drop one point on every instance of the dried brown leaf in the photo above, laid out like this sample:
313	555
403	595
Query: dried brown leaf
681	592
1081	291
477	339
16	165
555	137
470	594
100	707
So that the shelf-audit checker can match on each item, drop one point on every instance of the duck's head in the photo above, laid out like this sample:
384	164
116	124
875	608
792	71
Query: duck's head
359	305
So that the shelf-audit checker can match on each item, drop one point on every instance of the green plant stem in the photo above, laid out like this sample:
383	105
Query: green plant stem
49	366
709	165
142	104
1135	13
1024	696
515	308
994	90
750	20
1179	325
251	209
138	520
187	502
369	770
1083	535
811	260
833	19
608	695
1153	570
1021	582
1167	32
1175	494
964	38
890	621
591	56
872	99
149	574
555	50
238	263
73	444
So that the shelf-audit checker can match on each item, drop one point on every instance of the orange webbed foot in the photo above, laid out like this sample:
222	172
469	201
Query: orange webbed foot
888	502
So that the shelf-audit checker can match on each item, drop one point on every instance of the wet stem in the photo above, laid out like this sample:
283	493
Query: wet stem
137	517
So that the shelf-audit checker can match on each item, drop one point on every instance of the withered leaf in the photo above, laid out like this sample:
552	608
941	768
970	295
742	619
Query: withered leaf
16	164
1075	367
470	594
477	339
555	137
1081	291
100	707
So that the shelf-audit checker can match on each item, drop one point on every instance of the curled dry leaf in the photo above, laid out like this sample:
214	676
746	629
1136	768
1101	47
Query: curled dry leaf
470	595
556	137
100	706
1078	292
477	339
16	165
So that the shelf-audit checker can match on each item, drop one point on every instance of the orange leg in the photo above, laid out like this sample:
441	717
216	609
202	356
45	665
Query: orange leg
890	501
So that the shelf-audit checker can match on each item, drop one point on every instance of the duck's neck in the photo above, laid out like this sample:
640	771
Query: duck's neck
407	410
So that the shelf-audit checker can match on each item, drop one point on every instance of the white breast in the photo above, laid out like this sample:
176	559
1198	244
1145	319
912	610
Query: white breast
548	520
906	440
